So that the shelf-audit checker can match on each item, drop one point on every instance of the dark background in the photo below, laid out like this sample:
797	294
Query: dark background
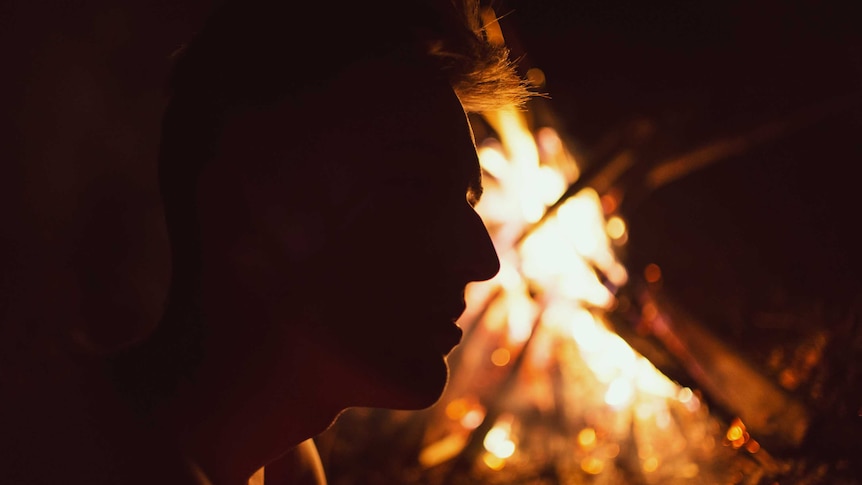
768	227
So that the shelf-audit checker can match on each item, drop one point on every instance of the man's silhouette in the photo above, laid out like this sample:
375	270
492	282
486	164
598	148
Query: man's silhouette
318	174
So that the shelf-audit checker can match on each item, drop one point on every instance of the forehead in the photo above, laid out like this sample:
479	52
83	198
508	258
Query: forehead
402	119
377	121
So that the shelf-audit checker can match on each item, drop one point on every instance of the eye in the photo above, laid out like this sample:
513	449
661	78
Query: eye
412	189
474	193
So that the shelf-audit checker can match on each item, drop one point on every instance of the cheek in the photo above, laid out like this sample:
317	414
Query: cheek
414	231
388	241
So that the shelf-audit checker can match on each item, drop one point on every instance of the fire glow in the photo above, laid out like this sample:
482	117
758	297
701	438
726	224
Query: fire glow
553	272
541	379
546	377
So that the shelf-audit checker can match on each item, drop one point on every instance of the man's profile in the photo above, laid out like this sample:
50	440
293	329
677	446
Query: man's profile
318	174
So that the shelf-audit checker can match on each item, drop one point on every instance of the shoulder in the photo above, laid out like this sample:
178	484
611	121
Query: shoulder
299	466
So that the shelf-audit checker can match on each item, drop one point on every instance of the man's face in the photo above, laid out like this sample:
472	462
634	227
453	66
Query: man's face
374	263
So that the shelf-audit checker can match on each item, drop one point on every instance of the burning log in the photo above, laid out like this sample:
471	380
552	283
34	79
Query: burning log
728	379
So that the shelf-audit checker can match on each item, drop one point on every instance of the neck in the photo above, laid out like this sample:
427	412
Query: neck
241	409
228	447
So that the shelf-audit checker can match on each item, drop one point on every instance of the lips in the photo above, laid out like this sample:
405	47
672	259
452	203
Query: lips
427	323
449	312
455	311
445	334
445	337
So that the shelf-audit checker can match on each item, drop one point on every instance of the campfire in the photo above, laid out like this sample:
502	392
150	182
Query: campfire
576	367
541	383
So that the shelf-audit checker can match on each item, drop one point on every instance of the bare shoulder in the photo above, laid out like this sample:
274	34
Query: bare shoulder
299	466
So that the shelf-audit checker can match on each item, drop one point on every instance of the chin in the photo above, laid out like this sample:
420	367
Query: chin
420	395
410	385
395	363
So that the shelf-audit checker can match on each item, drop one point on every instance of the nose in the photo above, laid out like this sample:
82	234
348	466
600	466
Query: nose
480	260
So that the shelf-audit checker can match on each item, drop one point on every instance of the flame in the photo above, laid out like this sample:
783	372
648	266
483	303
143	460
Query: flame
737	435
569	257
498	441
592	465
559	274
545	316
587	438
501	356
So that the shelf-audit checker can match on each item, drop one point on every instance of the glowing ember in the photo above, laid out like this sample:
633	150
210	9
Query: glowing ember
501	357
498	440
587	438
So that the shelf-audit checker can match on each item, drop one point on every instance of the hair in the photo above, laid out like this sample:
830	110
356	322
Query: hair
254	53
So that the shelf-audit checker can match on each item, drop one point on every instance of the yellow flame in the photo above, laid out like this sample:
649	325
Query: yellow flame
442	450
736	430
501	357
498	440
457	409
526	187
651	381
587	438
473	418
689	470
619	393
650	464
592	465
616	227
522	313
493	461
684	396
569	259
611	451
